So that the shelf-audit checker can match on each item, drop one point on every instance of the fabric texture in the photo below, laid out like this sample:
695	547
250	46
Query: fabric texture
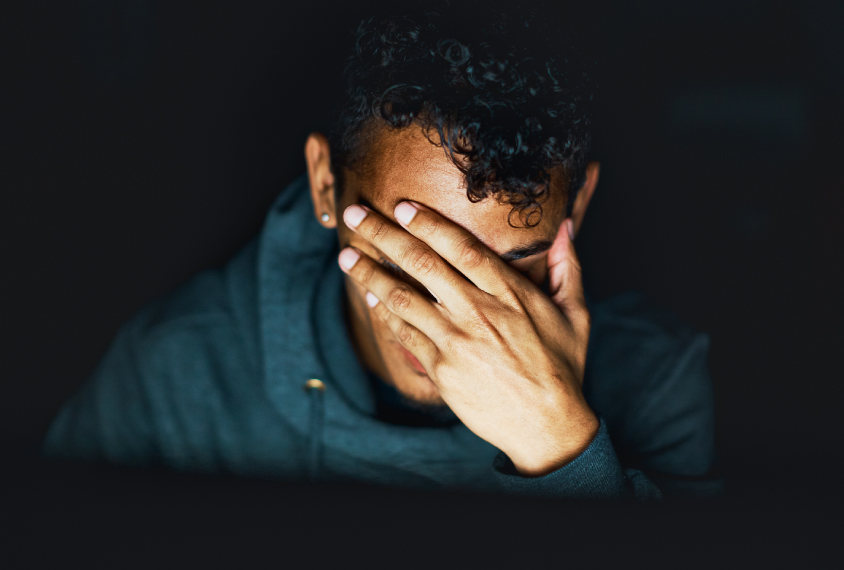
214	378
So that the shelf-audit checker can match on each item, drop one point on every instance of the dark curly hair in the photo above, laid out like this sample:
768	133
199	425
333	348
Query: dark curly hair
506	108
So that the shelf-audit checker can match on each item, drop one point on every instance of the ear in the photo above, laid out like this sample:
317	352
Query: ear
584	196
318	159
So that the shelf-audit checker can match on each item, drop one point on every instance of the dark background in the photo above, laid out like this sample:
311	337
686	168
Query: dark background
142	141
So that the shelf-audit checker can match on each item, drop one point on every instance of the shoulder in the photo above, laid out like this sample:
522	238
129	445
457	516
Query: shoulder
208	328
647	374
212	315
631	329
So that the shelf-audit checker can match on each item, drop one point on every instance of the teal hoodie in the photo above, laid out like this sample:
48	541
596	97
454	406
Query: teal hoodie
214	378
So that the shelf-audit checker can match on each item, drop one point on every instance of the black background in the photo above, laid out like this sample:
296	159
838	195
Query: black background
142	141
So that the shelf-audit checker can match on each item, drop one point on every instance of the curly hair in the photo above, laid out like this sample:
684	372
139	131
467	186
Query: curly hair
507	110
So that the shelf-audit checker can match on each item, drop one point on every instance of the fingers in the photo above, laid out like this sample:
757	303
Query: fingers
456	245
565	276
437	238
399	297
421	346
410	253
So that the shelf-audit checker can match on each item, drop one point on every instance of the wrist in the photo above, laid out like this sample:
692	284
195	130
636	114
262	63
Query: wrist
578	436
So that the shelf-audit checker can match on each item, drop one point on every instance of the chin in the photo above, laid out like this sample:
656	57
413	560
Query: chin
419	389
409	378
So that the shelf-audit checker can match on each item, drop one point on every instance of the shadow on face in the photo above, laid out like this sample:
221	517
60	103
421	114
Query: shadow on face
405	165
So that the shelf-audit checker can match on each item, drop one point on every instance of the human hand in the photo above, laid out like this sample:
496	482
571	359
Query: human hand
507	359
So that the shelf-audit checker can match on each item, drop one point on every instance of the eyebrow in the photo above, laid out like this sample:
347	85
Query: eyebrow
539	246
534	248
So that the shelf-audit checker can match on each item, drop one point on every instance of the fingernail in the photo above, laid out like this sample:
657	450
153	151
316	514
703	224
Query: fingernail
404	213
348	257
354	215
570	226
371	299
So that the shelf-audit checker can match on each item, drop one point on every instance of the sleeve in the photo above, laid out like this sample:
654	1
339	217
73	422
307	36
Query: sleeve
109	418
669	430
656	437
594	474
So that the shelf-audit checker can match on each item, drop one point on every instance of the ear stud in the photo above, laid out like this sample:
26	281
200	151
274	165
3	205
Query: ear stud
325	217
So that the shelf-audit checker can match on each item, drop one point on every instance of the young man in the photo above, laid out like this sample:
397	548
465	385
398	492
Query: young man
444	342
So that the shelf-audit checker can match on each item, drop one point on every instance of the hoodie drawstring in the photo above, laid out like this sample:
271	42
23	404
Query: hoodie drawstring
315	389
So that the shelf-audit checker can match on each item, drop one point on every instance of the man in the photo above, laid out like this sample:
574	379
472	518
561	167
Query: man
443	344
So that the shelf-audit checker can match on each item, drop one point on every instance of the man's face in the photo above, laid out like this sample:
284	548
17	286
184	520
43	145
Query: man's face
404	165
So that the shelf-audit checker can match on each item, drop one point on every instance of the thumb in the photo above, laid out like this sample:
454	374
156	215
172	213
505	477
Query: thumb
565	281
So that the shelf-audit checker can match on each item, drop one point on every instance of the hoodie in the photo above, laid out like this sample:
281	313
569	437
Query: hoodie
249	369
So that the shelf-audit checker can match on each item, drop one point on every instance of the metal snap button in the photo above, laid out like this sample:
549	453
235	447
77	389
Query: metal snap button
314	384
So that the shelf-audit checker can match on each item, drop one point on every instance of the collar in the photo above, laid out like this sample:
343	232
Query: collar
300	296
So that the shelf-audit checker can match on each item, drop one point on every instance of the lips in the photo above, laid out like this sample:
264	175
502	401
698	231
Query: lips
413	361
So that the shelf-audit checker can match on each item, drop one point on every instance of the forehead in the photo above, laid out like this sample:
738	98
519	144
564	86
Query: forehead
405	165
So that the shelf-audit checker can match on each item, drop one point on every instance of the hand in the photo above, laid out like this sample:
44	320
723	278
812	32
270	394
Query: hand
507	359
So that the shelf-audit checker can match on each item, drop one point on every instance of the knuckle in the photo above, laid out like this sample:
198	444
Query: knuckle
511	298
470	253
405	333
573	266
452	343
399	298
477	319
381	311
429	228
421	261
378	229
365	273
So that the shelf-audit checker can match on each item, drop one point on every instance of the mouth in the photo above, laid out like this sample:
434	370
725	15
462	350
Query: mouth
413	361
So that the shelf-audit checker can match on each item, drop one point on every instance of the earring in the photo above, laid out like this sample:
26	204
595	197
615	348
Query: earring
325	217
